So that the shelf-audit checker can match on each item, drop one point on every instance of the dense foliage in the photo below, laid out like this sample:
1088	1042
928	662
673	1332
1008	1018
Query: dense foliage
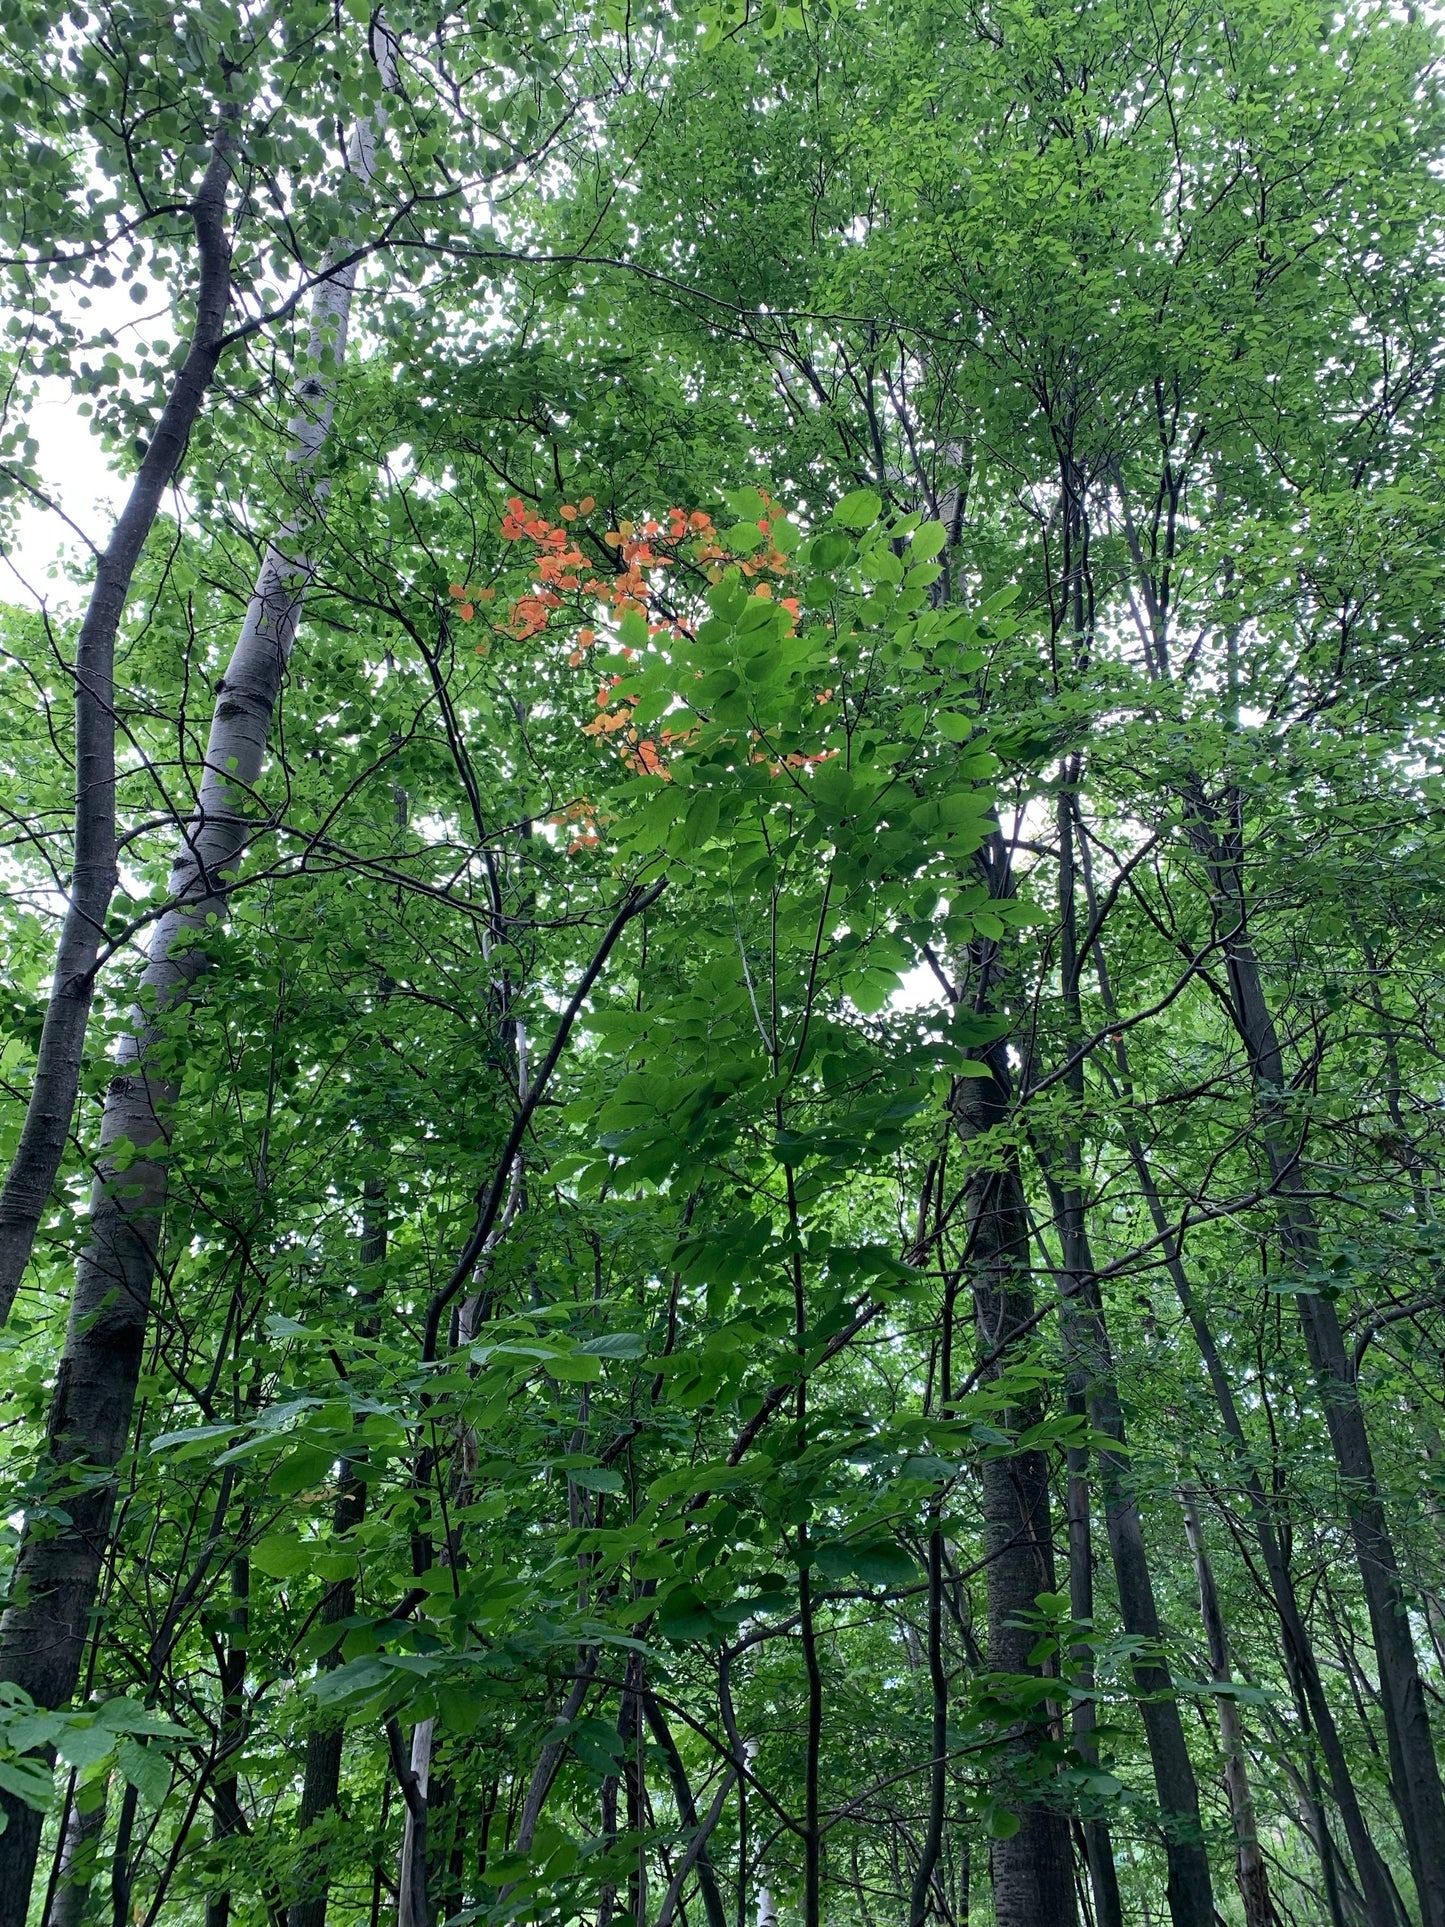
723	981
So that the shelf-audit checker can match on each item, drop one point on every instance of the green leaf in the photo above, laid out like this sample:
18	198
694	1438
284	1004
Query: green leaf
575	1368
459	1709
29	1780
615	1345
597	1478
305	1466
147	1769
281	1555
86	1746
129	1716
859	510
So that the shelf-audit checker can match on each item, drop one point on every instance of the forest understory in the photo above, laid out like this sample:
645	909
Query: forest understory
722	976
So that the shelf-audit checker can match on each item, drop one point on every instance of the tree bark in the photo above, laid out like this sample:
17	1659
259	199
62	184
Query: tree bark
1414	1770
1380	1901
1189	1890
51	1107
229	1818
712	1900
413	1908
1033	1873
78	1852
1251	1871
1098	1845
918	1902
45	1627
321	1786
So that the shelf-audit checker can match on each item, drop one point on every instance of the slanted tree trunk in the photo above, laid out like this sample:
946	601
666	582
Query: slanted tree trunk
712	1901
48	1114
1380	1901
322	1784
232	1655
1098	1845
1253	1874
413	1908
1033	1873
411	1773
1414	1771
1189	1890
45	1628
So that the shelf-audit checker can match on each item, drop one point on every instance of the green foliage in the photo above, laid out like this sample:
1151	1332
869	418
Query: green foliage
1068	379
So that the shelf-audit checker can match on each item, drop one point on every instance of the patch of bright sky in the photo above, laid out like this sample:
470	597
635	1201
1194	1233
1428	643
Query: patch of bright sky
44	560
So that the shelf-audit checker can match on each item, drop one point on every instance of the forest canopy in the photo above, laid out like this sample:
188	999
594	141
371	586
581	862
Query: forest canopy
722	1104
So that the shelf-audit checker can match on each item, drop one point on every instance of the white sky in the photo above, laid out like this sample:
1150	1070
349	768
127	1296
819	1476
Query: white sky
45	559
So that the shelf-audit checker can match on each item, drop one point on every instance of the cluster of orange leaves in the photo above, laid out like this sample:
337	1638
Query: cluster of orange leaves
643	552
582	823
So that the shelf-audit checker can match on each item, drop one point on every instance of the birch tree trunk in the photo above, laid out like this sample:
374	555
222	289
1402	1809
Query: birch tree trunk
31	1177
46	1626
411	1887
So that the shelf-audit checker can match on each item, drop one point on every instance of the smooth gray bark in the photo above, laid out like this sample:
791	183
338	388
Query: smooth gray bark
48	1620
412	1907
51	1107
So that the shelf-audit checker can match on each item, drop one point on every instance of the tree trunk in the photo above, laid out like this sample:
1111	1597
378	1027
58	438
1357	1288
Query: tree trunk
1253	1875
918	1903
1098	1846
412	1908
686	1808
78	1851
45	1628
1033	1873
322	1784
1414	1771
1380	1901
229	1817
31	1177
1189	1890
